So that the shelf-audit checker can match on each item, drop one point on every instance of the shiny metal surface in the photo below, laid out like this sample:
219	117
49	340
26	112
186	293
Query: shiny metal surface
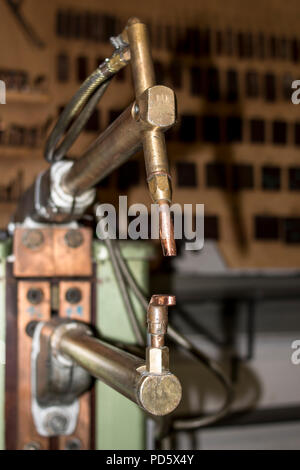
157	394
112	148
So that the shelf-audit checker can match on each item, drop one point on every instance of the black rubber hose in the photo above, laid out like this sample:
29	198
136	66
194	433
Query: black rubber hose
77	102
136	327
80	122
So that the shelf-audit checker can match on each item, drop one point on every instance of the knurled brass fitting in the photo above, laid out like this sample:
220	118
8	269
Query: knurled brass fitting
118	60
157	354
160	187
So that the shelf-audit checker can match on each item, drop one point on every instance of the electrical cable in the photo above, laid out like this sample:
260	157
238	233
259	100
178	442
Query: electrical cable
81	97
89	90
80	122
136	327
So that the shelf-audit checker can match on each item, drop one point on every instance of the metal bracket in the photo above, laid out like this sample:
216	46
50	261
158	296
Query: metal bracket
56	384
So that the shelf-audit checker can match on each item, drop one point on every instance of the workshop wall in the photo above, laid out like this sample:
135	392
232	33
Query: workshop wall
236	145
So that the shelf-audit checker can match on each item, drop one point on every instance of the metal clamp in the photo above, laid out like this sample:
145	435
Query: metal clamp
56	381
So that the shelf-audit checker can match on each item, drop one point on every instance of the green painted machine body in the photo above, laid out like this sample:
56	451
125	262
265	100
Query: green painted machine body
120	424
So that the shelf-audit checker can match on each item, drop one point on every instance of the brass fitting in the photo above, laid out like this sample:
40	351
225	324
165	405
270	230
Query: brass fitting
155	109
160	187
157	360
118	60
157	354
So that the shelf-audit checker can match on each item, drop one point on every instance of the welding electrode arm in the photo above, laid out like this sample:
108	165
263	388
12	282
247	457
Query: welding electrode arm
188	422
149	383
65	191
141	124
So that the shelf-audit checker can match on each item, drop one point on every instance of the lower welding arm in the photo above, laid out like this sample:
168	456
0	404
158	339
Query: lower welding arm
157	393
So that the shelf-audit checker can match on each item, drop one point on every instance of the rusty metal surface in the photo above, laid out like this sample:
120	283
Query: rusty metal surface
52	252
27	312
81	310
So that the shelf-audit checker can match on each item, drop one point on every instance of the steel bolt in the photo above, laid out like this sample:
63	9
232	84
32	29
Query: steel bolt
32	446
74	238
73	444
30	328
33	239
35	295
73	295
57	424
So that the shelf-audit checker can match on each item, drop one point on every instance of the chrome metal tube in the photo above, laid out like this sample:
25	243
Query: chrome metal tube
113	366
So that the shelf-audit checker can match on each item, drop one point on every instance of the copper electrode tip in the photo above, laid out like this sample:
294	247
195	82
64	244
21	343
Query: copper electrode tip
168	247
163	300
166	230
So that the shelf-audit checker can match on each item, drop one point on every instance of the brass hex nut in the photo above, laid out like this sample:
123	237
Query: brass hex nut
160	187
157	107
157	360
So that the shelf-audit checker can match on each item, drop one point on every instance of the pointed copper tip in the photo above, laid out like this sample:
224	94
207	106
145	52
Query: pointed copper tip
166	231
168	247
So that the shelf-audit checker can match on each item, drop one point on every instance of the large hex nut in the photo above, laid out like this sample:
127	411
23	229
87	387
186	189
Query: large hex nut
157	107
157	360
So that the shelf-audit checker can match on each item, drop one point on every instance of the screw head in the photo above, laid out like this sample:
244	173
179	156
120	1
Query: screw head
35	295
30	327
33	239
73	444
73	295
32	446
74	238
56	423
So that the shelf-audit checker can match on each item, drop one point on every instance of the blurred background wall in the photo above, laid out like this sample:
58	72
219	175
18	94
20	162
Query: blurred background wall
236	145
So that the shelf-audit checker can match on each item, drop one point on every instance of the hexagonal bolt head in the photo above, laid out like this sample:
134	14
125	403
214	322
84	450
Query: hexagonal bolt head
157	360
157	107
